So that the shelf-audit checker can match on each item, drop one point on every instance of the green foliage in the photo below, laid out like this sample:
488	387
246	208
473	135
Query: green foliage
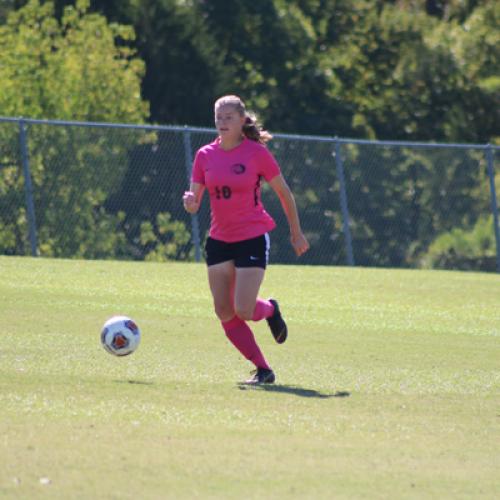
388	70
166	240
80	67
74	169
385	70
401	197
185	68
464	249
474	46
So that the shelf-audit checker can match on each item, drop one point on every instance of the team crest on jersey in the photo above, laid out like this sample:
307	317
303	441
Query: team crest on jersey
238	168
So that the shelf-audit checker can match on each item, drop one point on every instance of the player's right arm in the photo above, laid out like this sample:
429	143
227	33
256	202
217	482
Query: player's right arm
192	198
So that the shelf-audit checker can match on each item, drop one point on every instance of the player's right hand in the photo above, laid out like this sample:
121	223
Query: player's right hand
190	203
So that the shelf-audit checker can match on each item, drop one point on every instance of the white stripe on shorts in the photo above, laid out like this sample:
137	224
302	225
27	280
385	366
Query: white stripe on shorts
268	246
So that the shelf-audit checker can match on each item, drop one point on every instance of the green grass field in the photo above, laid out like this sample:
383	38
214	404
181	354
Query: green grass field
388	387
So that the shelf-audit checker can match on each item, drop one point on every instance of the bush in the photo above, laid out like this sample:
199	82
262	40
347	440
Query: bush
462	249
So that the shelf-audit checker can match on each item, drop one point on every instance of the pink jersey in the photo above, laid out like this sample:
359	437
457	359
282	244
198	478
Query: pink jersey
232	179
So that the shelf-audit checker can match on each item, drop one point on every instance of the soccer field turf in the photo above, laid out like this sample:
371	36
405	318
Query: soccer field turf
388	386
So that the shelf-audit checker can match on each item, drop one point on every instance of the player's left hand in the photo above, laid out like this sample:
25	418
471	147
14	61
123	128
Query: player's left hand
299	244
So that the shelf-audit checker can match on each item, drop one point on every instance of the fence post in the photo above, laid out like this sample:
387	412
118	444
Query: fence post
343	205
494	205
195	226
28	188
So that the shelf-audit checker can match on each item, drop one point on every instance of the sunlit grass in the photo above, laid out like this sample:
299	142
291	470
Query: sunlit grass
388	386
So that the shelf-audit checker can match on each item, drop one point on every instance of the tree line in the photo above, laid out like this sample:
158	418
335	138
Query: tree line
403	70
385	69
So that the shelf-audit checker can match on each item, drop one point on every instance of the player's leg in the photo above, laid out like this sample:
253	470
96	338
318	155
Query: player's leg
251	257
247	285
251	261
264	309
248	306
221	278
246	289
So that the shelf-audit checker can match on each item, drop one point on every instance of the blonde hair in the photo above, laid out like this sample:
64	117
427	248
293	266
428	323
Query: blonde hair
251	128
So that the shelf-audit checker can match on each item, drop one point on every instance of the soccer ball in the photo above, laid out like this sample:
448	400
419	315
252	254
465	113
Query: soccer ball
120	336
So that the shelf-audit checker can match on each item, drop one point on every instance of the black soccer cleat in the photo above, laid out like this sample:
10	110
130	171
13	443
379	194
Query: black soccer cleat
261	376
277	324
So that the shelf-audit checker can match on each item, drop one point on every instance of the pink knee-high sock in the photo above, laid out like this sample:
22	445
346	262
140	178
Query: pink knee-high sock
263	309
240	335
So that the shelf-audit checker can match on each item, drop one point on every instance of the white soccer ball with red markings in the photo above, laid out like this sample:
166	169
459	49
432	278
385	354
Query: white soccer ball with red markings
120	336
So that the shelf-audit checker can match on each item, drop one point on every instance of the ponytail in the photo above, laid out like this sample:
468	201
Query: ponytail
254	131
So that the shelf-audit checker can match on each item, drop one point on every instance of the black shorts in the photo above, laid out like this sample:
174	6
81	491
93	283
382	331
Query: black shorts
247	253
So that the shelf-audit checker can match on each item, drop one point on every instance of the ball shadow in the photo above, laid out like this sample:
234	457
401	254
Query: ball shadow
133	382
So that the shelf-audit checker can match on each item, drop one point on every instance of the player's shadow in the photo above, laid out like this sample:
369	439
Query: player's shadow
296	391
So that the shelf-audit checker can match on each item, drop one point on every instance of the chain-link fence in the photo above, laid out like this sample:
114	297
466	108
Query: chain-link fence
110	191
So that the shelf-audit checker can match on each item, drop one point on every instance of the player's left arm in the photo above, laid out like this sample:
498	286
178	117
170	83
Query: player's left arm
297	238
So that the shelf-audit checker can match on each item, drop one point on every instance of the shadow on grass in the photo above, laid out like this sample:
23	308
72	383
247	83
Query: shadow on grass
296	391
134	382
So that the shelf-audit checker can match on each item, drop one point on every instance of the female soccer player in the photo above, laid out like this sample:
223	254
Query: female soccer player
237	249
